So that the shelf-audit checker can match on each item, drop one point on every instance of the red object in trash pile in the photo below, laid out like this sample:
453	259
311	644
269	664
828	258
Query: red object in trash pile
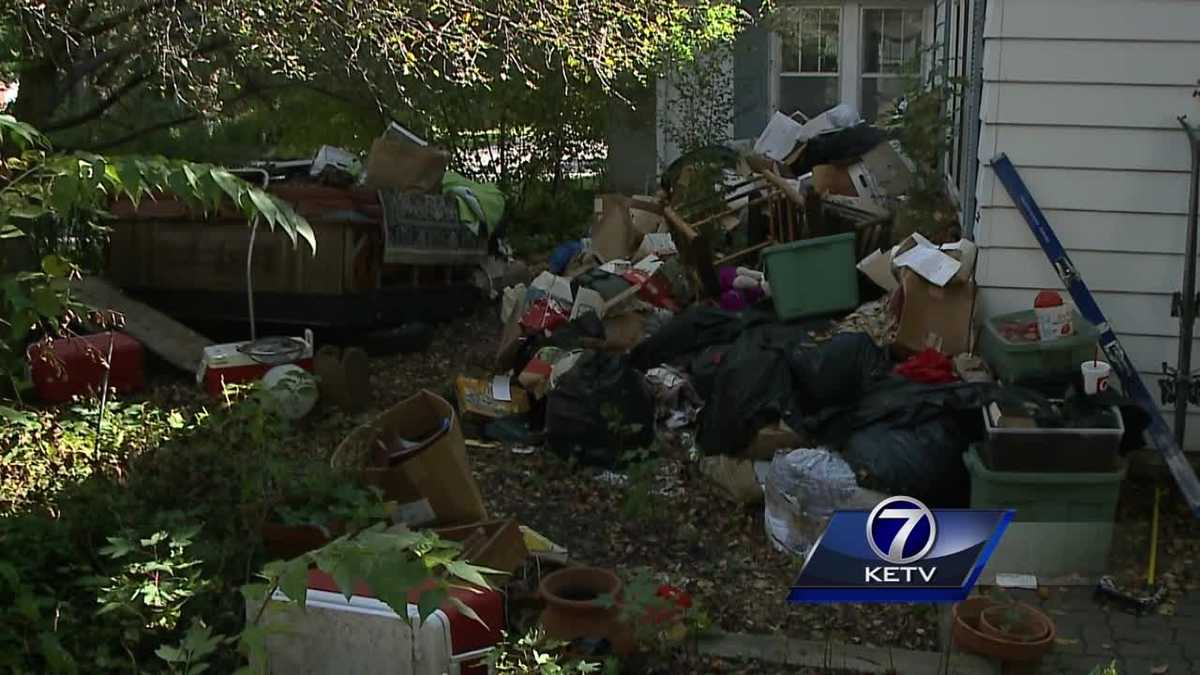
1047	299
544	315
81	360
655	290
928	367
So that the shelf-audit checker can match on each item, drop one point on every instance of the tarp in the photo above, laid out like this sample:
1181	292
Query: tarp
477	202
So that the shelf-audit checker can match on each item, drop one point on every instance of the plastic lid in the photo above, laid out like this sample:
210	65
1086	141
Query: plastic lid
1048	299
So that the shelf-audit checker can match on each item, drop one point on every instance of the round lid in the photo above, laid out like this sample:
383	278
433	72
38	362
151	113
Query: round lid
1048	299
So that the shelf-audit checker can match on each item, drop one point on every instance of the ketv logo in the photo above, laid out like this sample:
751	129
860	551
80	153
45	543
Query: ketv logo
900	551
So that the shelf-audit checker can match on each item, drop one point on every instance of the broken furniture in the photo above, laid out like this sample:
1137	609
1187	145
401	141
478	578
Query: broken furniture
176	260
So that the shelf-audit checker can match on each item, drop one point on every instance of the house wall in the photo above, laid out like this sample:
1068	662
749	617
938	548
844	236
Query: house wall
1083	96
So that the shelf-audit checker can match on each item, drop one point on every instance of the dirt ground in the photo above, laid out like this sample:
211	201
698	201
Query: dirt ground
688	532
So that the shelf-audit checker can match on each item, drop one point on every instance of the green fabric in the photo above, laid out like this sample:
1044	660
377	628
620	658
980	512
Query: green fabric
489	197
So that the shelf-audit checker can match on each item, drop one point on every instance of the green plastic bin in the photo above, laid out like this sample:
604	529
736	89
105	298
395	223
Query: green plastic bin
1060	497
812	276
1064	522
1017	361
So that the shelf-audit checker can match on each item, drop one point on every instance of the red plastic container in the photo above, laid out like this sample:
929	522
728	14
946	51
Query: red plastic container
80	366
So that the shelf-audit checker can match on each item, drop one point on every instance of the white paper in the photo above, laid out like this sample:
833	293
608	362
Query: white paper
779	138
554	286
587	301
616	266
502	388
878	268
648	265
656	243
934	266
1027	581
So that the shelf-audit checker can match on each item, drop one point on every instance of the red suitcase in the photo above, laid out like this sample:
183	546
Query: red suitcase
80	366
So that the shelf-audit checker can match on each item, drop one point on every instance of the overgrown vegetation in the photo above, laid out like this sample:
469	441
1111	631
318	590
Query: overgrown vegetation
924	122
143	559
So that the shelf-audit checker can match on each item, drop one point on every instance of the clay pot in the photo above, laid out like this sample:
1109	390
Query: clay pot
571	610
1029	626
969	635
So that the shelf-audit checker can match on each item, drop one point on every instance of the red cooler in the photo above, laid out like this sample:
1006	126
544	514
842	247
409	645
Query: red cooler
80	366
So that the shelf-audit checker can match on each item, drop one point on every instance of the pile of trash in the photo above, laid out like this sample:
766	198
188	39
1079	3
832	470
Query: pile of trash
804	354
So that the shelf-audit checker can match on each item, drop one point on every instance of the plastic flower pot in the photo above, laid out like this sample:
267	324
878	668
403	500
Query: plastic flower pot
970	636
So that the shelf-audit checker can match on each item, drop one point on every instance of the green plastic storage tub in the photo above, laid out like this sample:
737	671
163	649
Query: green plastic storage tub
1059	497
1017	361
812	277
1064	523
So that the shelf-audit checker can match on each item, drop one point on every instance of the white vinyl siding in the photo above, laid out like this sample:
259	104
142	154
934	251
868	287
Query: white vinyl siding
1083	96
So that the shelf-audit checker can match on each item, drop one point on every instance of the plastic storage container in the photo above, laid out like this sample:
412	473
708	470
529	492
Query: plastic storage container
1061	449
1064	522
1014	360
813	276
1050	497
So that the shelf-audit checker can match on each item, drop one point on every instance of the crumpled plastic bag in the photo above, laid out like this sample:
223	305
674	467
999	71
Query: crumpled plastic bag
676	400
803	489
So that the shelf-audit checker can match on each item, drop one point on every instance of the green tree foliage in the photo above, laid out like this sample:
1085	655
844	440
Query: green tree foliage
85	60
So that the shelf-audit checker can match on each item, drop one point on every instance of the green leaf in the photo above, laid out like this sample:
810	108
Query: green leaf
55	266
47	302
468	572
265	206
430	602
9	231
230	184
466	611
293	581
170	654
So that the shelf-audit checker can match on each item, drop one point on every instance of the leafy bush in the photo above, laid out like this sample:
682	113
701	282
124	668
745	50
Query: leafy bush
143	562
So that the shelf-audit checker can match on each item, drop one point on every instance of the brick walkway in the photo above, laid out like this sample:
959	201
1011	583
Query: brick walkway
1090	634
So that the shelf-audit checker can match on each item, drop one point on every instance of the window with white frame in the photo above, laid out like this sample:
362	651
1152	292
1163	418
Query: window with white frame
892	38
809	60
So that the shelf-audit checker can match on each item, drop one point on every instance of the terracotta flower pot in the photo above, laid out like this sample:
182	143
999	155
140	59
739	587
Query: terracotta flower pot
1028	624
970	636
572	611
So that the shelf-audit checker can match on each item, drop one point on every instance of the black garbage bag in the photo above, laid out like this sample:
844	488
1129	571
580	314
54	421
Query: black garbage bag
690	331
838	147
905	437
601	407
753	387
924	461
838	372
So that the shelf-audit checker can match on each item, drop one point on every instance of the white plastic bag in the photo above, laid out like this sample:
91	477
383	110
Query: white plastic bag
803	489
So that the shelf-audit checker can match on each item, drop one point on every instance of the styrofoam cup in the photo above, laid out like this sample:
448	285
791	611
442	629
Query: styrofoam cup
1095	376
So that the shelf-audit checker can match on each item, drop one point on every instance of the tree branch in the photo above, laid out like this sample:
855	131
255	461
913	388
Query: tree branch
134	135
99	109
117	20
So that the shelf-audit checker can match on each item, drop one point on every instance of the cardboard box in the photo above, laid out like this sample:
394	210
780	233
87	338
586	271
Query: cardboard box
475	398
933	316
433	483
405	166
833	179
890	170
495	544
771	439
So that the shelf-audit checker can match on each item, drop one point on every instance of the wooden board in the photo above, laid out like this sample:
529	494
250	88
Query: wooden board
174	342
